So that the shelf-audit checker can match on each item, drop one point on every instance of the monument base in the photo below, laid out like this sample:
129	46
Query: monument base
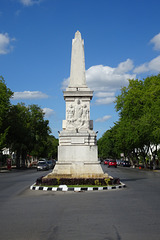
77	156
78	170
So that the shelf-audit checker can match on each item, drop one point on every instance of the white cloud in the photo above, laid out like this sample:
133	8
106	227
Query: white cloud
104	94
48	112
156	41
103	119
105	80
65	83
124	67
30	2
29	95
105	101
5	43
141	69
152	66
104	98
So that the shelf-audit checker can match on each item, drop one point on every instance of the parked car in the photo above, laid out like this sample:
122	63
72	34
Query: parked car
106	161
118	162
42	160
51	163
125	164
42	165
112	163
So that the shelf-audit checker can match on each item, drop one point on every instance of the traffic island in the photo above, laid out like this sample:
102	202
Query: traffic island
76	189
77	185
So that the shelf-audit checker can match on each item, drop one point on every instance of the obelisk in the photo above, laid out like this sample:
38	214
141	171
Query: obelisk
77	150
77	73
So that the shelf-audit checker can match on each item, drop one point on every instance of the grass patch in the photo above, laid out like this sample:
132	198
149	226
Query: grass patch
72	186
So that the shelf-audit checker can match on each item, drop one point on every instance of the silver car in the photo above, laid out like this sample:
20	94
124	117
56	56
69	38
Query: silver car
42	165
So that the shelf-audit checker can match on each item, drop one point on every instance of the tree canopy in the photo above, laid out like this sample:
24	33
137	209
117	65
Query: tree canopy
24	130
5	95
138	130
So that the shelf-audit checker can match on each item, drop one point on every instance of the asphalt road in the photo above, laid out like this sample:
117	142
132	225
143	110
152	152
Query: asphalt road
124	214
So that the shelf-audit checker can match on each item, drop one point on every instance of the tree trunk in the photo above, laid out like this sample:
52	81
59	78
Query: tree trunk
18	159
24	156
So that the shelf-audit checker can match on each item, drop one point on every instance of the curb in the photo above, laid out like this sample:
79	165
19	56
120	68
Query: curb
64	188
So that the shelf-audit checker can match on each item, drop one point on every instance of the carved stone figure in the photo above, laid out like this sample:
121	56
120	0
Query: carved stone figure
78	109
85	112
70	113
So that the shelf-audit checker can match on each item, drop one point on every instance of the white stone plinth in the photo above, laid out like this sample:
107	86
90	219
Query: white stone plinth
78	170
77	156
77	153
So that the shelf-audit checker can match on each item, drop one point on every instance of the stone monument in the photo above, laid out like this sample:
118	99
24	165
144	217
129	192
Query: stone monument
77	150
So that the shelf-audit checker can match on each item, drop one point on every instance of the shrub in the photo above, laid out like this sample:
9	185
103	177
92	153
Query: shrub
77	181
39	181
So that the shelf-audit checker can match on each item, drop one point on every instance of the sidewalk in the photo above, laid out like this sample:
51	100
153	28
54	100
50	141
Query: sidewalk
4	169
145	169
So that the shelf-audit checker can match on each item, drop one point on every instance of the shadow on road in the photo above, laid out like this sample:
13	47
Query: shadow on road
131	179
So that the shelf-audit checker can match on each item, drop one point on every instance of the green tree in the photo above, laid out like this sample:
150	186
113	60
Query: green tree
28	132
18	136
23	129
107	145
39	132
139	107
130	105
52	144
5	95
138	130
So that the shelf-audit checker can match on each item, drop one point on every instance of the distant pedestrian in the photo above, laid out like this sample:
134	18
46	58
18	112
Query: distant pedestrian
9	164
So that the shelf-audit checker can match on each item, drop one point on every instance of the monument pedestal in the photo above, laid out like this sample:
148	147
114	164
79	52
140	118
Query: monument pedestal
77	156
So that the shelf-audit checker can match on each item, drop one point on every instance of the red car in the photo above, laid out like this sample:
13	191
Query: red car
112	163
106	161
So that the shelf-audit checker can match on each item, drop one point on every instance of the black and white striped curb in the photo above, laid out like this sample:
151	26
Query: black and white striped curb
64	188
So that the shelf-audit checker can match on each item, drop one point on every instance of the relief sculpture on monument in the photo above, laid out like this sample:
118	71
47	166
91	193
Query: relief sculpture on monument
77	115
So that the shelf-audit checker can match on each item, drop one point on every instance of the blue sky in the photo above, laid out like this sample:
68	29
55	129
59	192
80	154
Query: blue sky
121	40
